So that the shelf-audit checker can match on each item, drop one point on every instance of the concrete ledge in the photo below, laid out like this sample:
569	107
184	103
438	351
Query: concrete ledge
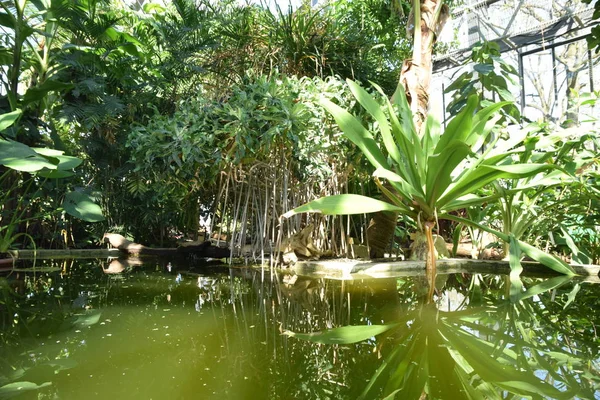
354	269
64	253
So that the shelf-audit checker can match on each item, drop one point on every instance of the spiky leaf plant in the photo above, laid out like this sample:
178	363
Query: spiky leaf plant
433	173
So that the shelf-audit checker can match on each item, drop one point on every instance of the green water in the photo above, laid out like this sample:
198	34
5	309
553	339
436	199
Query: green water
74	332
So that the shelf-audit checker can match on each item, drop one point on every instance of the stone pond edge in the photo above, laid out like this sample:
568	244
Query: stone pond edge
345	269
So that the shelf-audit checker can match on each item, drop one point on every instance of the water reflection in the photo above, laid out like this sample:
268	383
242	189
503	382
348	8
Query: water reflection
192	333
482	351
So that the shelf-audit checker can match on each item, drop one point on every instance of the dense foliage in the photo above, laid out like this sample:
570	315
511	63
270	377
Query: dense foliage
162	102
179	158
91	75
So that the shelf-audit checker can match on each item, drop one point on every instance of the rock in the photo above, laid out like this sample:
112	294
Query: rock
300	244
419	246
204	249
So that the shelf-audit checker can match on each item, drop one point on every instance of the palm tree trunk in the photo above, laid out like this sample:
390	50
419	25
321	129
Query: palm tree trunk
429	17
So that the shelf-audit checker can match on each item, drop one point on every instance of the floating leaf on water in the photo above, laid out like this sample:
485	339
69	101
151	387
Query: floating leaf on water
343	335
17	388
88	319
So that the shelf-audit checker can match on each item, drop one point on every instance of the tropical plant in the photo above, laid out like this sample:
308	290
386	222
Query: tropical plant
41	164
431	174
528	207
427	22
35	40
178	161
594	38
489	77
29	31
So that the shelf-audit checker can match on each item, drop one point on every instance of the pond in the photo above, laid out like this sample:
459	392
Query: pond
157	331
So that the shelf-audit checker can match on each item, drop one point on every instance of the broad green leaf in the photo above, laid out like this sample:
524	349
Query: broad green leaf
375	110
477	353
483	69
112	33
544	286
477	142
357	133
151	8
405	132
412	373
556	177
443	380
396	362
406	189
459	82
482	175
548	260
7	20
68	162
456	234
440	168
343	204
131	49
470	200
480	123
506	145
64	162
18	388
431	134
516	285
411	150
577	255
45	151
392	395
505	94
82	206
7	119
343	335
54	174
394	196
6	56
572	295
39	92
406	138
405	113
521	170
459	127
20	157
538	255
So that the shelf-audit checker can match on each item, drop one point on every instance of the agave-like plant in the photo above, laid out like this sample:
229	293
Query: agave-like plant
431	173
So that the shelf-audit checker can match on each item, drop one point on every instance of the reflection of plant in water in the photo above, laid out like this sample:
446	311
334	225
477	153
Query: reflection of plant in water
31	308
561	312
233	342
297	369
483	349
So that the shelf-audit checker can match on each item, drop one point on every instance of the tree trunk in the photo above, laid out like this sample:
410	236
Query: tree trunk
415	78
381	230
